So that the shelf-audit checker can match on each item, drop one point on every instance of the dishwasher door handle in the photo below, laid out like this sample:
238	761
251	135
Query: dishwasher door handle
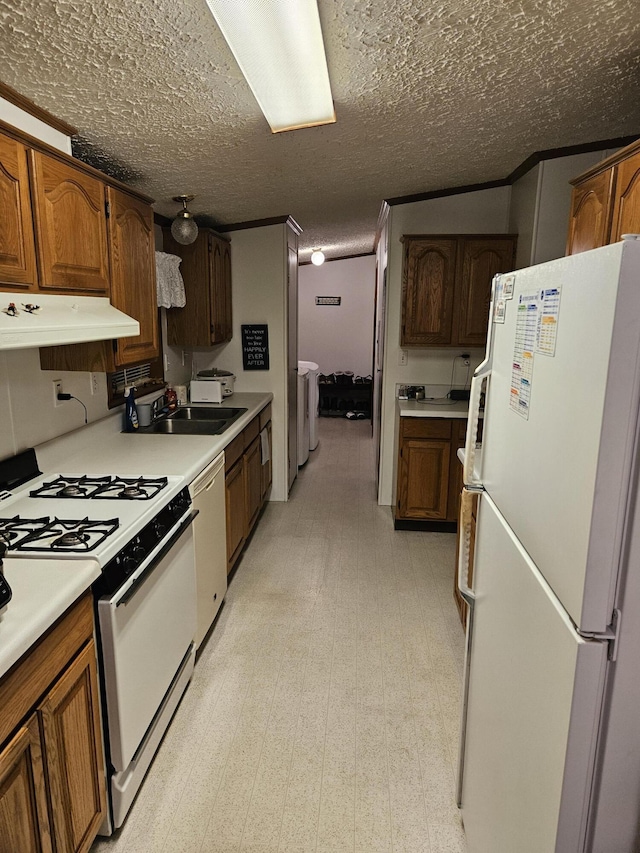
162	553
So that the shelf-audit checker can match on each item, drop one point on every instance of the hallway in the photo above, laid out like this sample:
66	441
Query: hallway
323	713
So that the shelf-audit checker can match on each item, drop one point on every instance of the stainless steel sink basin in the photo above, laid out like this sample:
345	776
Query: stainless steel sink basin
195	420
188	427
202	413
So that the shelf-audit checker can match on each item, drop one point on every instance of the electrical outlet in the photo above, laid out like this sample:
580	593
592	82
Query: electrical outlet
403	357
93	383
57	389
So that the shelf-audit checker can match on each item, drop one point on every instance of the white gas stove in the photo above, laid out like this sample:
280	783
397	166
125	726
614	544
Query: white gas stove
139	531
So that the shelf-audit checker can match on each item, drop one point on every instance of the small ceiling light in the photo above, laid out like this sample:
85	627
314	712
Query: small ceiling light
184	228
278	46
317	257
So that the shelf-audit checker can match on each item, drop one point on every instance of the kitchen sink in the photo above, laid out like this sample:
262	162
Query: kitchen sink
202	413
194	420
187	427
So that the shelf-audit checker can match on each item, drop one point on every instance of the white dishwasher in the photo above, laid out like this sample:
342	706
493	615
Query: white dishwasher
210	539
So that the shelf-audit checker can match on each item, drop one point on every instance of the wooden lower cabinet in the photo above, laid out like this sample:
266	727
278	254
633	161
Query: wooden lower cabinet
52	781
252	482
247	482
235	504
24	819
70	722
429	473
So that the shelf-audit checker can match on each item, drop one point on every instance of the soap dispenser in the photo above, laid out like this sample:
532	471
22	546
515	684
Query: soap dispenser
130	410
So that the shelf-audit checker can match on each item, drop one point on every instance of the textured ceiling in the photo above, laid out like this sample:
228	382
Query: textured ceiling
428	95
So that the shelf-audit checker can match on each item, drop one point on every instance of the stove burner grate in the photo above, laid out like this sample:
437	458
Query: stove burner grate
46	534
112	488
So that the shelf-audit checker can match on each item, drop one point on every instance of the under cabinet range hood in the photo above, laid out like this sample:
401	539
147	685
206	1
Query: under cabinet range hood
42	319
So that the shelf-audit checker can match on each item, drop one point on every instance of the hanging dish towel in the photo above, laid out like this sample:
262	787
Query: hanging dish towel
169	283
265	455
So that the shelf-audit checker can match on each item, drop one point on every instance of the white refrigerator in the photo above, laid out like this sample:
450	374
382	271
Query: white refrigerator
550	737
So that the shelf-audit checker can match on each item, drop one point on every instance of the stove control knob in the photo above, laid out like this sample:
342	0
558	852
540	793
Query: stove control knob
129	564
138	552
159	529
178	507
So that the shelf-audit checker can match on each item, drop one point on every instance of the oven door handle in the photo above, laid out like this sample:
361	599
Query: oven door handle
168	545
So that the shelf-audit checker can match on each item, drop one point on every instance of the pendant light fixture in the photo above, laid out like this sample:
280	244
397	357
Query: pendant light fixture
184	228
317	257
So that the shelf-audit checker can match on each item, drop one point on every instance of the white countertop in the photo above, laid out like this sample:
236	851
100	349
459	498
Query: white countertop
44	589
431	409
102	448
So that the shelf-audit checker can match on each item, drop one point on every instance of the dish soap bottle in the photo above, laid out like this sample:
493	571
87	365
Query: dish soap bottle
130	410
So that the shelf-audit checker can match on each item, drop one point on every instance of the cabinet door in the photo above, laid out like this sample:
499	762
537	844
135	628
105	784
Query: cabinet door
626	210
423	484
590	213
133	274
24	822
220	290
266	468
70	722
71	227
480	259
236	518
427	290
253	482
17	250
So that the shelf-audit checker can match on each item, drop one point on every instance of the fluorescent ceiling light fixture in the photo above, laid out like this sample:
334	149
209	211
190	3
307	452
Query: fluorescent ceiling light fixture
278	46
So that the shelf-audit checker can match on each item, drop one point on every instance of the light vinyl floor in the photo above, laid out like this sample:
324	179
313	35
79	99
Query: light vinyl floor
323	713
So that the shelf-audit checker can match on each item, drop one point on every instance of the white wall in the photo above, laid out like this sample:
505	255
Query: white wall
259	272
482	212
337	337
28	415
540	205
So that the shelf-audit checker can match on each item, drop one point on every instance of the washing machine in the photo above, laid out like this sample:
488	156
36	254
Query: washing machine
313	371
303	415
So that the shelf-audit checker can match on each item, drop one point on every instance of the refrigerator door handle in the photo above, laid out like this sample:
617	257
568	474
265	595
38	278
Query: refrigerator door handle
482	372
464	560
464	551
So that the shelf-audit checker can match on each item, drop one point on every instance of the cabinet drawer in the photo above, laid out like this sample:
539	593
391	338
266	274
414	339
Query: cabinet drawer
265	416
425	428
233	452
250	432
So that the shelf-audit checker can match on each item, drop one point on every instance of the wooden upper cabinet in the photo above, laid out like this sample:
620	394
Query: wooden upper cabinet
427	290
446	287
133	273
220	289
605	203
626	211
206	272
590	213
481	258
69	208
17	249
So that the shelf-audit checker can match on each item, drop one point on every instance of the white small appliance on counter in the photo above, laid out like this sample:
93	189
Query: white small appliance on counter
211	386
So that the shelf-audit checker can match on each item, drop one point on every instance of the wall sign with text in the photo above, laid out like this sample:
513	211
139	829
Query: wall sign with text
255	347
328	300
